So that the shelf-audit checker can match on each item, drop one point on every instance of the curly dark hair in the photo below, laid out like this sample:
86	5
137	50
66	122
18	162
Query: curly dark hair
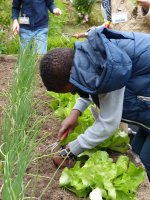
55	68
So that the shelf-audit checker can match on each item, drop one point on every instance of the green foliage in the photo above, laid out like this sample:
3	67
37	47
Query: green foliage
5	21
3	41
83	8
134	2
56	24
116	181
117	142
60	41
5	11
61	104
9	45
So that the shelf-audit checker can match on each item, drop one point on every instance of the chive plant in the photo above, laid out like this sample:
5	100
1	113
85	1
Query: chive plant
19	128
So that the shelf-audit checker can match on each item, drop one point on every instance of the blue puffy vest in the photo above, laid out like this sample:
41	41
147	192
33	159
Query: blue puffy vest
109	60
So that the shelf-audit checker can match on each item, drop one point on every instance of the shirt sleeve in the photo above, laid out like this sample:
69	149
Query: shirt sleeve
108	120
81	104
16	6
50	4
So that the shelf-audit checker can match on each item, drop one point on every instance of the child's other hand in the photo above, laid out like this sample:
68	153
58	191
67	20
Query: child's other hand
15	27
57	11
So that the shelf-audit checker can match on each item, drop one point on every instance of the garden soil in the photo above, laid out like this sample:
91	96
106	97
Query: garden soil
48	177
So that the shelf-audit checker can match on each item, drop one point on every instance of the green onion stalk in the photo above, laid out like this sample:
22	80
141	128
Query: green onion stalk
19	128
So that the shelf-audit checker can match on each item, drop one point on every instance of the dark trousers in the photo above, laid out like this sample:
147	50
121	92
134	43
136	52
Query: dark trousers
141	146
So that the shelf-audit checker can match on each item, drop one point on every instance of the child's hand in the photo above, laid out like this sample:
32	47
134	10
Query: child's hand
57	11
68	124
15	27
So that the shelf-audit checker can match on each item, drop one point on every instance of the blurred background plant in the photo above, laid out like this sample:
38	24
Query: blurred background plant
83	9
5	21
5	17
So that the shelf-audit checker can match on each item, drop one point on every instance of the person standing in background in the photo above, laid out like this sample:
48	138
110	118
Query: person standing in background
33	22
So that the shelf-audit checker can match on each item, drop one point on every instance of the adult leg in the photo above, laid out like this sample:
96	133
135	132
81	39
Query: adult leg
25	38
141	146
40	39
138	141
145	155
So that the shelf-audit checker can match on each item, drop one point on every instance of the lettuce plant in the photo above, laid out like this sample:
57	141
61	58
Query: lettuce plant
116	181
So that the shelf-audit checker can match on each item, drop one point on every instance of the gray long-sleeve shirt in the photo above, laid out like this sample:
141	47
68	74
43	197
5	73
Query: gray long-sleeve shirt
106	122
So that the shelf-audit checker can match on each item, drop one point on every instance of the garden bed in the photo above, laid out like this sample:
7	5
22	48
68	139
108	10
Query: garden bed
41	171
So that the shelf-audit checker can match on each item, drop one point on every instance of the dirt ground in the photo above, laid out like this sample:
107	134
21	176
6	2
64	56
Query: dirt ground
45	166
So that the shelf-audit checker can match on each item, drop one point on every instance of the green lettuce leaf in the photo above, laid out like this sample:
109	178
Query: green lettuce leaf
118	180
118	141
